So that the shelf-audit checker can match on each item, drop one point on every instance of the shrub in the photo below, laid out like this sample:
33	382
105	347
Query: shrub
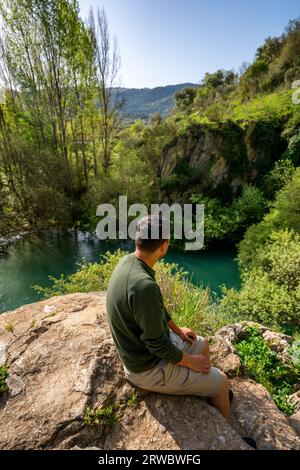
270	290
264	366
230	222
255	237
88	278
284	214
249	207
3	377
280	258
106	415
278	177
188	304
292	153
261	299
287	204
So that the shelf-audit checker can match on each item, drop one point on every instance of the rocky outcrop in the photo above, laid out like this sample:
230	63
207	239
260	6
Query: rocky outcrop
204	150
62	363
223	350
267	425
255	414
226	154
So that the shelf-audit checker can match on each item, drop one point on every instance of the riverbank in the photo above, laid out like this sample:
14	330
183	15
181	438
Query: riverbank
5	242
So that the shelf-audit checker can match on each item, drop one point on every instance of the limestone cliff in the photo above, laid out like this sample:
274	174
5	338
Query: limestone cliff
225	155
62	363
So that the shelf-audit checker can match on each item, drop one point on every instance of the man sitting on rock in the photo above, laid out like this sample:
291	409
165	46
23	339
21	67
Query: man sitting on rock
158	355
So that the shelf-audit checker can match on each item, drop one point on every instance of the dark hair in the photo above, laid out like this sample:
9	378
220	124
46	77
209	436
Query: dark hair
150	233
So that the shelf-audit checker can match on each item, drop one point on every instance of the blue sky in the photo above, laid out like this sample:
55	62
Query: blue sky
174	41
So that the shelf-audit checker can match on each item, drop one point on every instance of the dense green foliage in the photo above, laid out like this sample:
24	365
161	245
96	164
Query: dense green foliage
88	278
229	221
270	290
263	365
58	121
64	148
269	258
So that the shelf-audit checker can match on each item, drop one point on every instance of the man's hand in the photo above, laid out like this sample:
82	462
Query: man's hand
199	363
196	362
186	334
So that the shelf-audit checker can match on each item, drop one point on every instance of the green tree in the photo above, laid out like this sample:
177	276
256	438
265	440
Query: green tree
284	214
185	98
107	65
270	290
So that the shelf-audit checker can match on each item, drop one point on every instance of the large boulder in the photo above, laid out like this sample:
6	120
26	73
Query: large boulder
255	414
63	366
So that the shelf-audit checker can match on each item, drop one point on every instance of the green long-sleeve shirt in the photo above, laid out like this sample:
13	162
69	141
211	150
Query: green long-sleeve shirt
137	316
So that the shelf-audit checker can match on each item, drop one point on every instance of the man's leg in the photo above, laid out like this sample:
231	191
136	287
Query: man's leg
177	380
201	346
221	400
205	350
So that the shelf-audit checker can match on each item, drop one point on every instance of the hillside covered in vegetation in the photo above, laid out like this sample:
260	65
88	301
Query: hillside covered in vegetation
231	143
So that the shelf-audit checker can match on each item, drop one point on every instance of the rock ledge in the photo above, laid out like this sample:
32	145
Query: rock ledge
62	360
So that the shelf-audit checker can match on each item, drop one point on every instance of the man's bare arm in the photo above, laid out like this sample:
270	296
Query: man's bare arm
196	362
185	333
172	325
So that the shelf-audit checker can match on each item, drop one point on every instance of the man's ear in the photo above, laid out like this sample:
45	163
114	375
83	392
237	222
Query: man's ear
161	250
164	246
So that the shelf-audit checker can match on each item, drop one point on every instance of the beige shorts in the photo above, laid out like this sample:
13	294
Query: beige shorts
172	379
